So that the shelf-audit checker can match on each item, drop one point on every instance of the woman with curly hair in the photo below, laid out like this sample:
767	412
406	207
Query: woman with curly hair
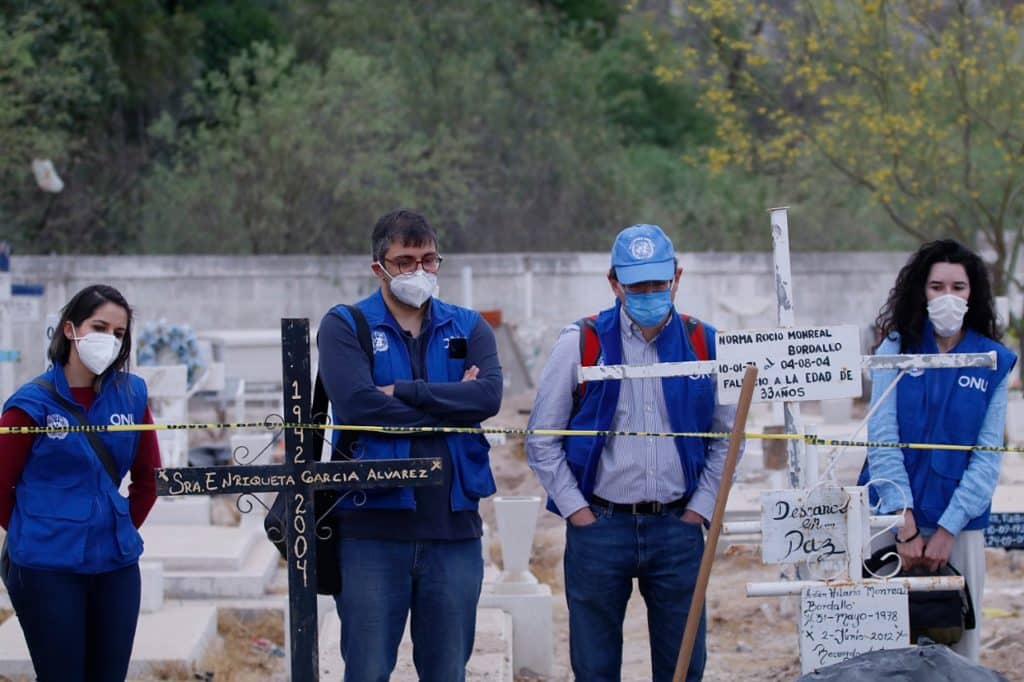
941	303
72	547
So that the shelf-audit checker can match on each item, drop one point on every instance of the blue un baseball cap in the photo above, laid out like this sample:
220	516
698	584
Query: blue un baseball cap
643	253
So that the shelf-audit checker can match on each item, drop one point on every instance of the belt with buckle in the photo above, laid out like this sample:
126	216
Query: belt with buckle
640	507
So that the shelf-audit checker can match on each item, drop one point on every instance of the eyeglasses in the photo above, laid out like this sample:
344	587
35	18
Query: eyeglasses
431	262
647	287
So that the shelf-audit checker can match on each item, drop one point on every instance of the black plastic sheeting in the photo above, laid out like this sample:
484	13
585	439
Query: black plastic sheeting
933	663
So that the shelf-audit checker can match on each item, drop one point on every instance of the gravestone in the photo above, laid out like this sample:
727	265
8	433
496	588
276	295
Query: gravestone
1005	530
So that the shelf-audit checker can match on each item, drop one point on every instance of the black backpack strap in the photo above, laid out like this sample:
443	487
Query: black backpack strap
94	440
362	331
318	410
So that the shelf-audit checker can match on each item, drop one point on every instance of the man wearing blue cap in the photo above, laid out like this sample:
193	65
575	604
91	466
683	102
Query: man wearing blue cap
634	505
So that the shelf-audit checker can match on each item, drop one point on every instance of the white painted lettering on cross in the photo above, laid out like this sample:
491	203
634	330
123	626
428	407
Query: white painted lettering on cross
804	525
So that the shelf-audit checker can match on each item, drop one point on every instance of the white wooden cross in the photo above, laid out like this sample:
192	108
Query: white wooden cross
820	527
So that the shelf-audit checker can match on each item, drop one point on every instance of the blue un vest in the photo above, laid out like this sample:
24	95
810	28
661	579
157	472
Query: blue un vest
68	514
690	402
471	469
944	406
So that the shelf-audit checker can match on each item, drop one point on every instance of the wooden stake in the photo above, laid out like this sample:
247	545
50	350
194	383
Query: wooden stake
697	603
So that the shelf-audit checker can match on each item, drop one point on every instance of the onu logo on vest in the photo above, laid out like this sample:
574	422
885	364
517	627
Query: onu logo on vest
118	419
977	383
57	421
380	342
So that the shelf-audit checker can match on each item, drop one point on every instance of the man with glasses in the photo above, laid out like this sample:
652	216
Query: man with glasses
634	505
412	552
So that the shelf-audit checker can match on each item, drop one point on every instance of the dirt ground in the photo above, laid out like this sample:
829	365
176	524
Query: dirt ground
749	639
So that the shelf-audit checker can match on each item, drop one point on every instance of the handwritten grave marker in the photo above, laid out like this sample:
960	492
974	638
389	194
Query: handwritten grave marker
807	525
796	364
843	621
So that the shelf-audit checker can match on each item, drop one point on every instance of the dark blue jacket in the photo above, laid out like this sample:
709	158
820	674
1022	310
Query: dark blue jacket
690	402
68	514
471	472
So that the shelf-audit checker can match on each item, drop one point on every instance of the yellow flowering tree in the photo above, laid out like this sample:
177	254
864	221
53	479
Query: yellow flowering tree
918	102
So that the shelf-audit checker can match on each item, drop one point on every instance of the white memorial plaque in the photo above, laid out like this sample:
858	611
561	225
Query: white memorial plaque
804	525
802	363
837	623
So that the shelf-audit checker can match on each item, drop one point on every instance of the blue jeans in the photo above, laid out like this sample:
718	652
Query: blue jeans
78	627
383	581
601	559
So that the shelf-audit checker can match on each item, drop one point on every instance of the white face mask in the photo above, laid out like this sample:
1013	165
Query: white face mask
97	350
413	288
947	314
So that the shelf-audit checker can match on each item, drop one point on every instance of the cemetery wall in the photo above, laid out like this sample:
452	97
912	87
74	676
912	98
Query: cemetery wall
537	293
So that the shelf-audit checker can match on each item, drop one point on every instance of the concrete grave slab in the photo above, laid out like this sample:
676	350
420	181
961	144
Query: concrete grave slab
204	562
190	548
248	581
180	511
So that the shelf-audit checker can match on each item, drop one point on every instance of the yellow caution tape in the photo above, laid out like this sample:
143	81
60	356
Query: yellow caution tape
281	426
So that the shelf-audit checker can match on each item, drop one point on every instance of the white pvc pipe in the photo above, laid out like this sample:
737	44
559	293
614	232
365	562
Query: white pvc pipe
674	369
754	527
528	293
798	477
924	584
810	465
661	369
930	361
855	542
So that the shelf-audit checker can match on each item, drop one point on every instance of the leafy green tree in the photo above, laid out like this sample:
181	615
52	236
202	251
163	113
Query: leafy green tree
911	102
291	158
501	83
56	81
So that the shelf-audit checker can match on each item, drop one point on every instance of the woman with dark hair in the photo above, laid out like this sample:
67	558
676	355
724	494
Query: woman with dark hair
72	540
941	303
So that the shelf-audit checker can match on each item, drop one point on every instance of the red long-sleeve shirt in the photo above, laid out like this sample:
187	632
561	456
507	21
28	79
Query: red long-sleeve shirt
15	448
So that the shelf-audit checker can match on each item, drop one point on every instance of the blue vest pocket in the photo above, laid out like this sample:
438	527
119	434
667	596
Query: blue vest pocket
53	528
938	480
472	465
129	542
949	463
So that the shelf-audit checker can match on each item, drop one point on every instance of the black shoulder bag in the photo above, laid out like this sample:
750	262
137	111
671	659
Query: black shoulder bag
98	446
328	574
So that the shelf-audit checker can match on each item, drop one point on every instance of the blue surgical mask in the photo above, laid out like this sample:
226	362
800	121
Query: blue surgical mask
649	310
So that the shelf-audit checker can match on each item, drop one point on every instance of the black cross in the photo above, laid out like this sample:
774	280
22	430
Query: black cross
297	479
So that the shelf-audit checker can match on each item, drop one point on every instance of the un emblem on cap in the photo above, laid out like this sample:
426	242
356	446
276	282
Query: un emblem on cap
641	248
